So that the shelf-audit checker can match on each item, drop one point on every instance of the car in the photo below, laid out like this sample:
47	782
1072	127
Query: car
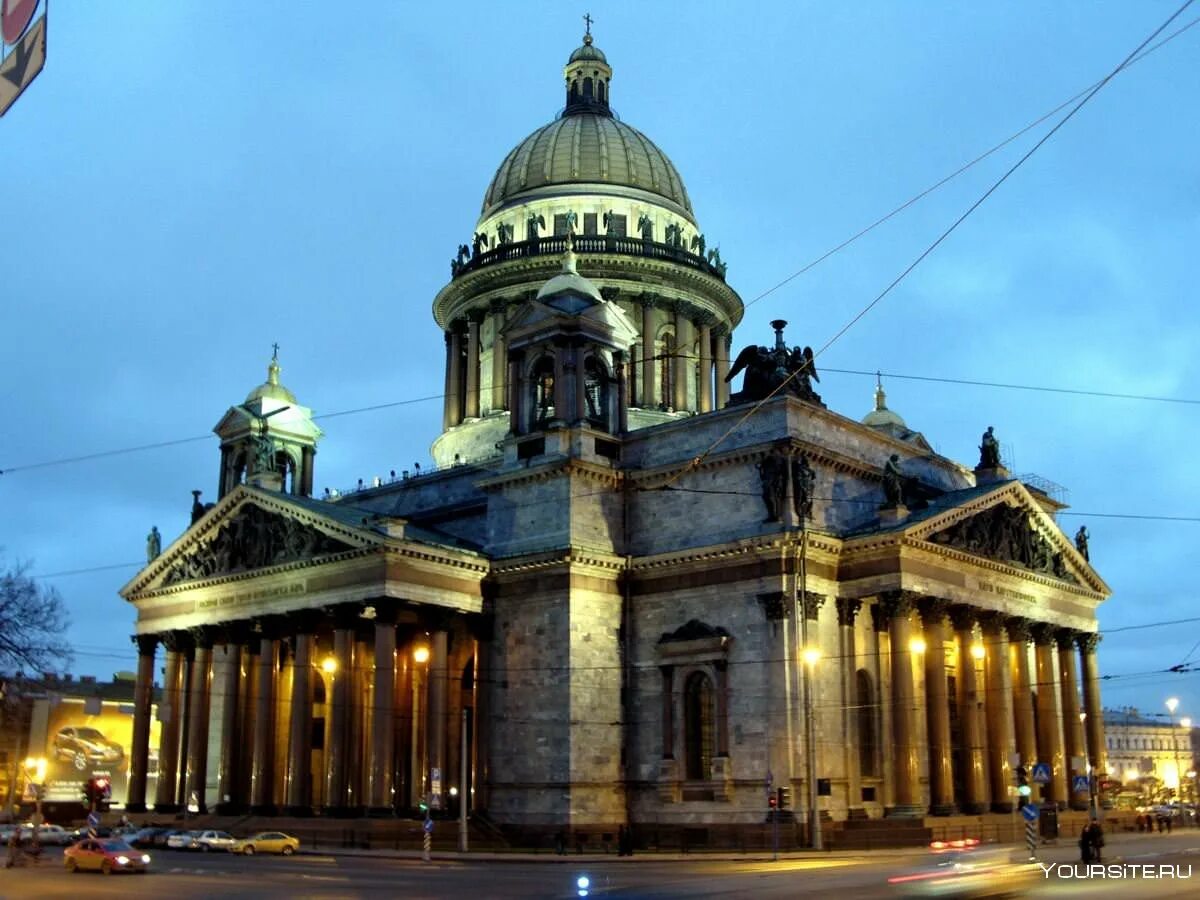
147	837
80	833
183	840
966	869
106	855
53	835
215	840
83	746
267	842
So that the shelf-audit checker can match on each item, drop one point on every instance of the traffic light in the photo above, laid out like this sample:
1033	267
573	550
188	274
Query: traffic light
772	800
97	792
1023	788
785	797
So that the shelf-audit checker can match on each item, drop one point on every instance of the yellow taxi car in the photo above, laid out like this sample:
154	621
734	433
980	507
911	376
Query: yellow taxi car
107	855
267	842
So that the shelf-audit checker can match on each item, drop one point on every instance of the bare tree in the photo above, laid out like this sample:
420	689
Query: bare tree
33	621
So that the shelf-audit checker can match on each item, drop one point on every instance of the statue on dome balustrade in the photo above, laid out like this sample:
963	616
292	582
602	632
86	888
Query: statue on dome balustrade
646	227
698	244
479	243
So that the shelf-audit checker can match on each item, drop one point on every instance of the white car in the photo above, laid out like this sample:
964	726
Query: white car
183	840
214	840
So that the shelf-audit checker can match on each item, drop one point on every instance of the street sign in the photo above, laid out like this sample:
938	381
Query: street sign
1080	784
1041	773
93	820
1029	812
22	65
14	17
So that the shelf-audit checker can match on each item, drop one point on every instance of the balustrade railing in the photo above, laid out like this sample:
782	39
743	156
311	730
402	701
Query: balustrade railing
555	245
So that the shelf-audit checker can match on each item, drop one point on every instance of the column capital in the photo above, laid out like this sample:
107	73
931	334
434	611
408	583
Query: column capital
304	621
992	623
475	316
898	604
237	632
344	615
1019	629
878	619
847	610
177	641
1044	634
204	636
963	617
774	607
933	610
610	293
146	643
813	602
387	612
1065	638
270	627
1088	641
498	305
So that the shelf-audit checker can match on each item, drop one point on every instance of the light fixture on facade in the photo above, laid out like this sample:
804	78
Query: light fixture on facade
811	655
917	645
421	653
977	651
329	665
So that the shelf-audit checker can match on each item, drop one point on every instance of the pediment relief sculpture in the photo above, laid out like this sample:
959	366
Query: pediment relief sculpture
253	539
1005	533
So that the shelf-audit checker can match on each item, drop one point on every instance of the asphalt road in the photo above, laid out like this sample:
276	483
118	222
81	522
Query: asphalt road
185	875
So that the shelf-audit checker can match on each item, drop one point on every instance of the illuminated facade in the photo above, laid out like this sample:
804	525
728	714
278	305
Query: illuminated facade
601	581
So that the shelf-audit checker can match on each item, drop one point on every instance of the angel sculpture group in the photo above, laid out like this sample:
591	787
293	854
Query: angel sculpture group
778	371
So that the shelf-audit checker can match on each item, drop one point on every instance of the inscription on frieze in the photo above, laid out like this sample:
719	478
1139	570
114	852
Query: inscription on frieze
254	539
1005	533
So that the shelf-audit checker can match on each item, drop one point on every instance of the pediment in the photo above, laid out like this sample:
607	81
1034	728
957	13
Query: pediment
1007	526
249	530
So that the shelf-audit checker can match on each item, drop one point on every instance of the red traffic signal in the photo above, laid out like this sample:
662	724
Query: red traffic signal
103	788
771	800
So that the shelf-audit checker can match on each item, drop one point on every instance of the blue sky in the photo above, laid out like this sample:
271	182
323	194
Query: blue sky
187	183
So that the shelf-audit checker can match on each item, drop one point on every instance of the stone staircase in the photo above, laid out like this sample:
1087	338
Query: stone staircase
873	834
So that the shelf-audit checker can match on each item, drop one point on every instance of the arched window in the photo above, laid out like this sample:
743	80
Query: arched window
666	369
595	392
698	726
587	89
600	91
541	385
868	735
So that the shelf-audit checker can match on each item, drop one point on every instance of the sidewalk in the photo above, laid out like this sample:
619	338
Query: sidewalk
1117	847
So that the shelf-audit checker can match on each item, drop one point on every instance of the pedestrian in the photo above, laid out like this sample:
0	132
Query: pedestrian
1095	840
1085	844
560	843
1167	819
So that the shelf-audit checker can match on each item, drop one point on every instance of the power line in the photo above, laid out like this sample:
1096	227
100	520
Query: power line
942	237
1004	143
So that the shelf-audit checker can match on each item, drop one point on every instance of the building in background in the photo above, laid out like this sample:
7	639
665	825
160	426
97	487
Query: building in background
603	607
82	727
1143	747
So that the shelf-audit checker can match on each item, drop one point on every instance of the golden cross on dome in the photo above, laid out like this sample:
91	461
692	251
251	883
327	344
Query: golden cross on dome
275	354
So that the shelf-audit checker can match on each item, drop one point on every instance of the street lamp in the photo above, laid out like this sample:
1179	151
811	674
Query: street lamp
329	665
35	775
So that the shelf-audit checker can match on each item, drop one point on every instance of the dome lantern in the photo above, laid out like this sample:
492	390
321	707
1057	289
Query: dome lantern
587	74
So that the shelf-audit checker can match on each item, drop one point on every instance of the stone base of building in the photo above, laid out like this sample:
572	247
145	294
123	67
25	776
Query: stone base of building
168	808
904	812
135	807
263	809
943	809
978	809
230	809
344	812
300	812
1004	806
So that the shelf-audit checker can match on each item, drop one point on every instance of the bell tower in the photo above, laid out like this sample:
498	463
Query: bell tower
269	441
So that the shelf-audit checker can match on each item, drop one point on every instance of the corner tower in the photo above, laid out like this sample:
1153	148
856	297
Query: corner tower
269	441
590	177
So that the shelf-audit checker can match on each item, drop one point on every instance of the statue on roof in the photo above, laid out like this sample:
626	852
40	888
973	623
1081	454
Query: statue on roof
1081	542
153	544
989	450
698	244
479	243
535	223
893	483
771	371
646	227
504	234
570	219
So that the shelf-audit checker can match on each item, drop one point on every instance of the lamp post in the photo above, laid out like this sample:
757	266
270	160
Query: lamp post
35	776
810	656
1186	724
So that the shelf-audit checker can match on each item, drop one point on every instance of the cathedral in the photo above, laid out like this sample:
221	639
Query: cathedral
651	578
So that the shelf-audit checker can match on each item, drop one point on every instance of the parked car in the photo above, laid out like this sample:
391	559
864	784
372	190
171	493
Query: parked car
267	842
83	746
183	840
53	835
215	840
107	856
80	833
147	837
164	834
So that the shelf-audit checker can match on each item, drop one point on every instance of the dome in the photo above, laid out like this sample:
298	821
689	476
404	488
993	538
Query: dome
588	52
881	415
587	146
271	389
586	149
